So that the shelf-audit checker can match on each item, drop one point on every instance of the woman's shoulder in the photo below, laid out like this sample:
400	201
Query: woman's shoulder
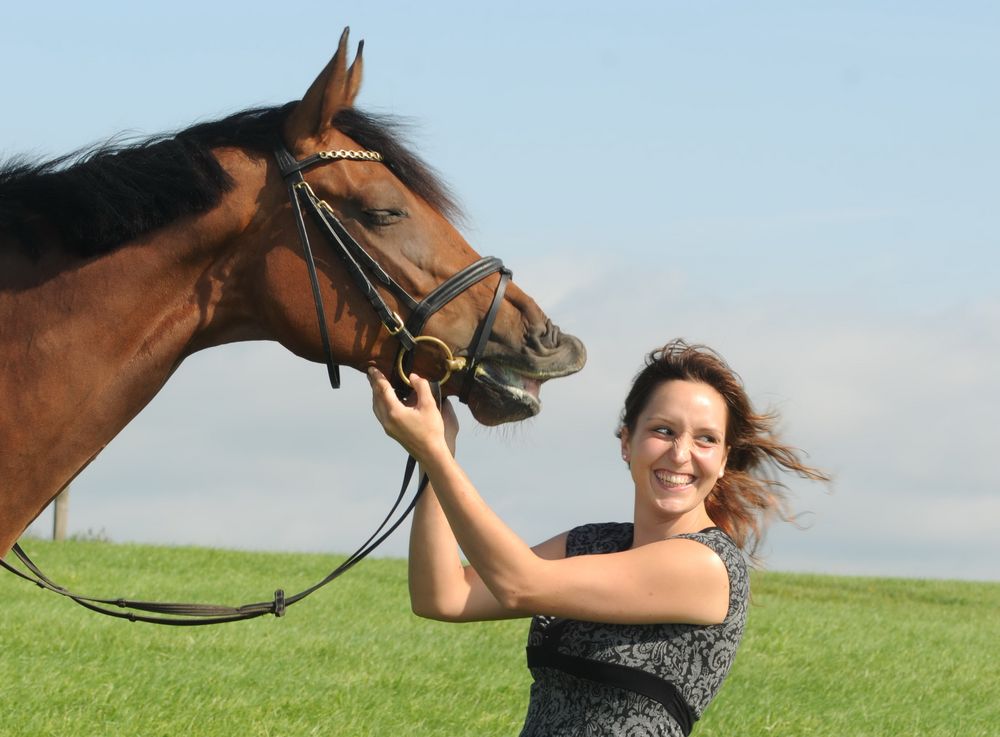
720	542
599	537
716	539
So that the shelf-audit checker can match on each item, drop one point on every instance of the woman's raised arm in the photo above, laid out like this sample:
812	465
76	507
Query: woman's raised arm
676	580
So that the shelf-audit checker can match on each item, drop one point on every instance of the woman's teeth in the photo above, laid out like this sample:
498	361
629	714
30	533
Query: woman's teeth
674	479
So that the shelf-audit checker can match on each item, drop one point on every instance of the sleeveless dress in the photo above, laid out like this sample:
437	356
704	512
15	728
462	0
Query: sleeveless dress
694	658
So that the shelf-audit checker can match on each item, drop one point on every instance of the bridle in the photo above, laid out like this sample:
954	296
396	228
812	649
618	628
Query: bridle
357	261
362	269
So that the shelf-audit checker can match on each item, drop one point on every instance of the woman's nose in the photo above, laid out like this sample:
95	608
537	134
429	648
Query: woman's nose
681	448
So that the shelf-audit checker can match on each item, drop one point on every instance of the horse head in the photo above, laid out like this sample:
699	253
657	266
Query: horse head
398	213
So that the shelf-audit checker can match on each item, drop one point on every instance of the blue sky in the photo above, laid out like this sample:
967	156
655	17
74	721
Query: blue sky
810	188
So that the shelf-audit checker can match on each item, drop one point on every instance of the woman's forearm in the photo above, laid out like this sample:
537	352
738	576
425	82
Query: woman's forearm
436	576
500	558
502	565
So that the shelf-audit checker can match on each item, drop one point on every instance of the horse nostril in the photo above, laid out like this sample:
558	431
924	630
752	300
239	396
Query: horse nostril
551	336
544	337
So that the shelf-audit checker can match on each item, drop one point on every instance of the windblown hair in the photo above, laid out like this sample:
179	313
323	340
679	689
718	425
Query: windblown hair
747	497
100	198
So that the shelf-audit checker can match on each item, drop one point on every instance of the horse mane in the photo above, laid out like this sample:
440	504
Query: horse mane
101	197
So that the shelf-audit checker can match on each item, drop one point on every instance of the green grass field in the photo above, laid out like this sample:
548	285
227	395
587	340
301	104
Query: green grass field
823	655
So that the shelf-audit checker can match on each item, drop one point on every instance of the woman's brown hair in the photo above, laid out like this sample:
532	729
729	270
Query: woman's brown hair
746	497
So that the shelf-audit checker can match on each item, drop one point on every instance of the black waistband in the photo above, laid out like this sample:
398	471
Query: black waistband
622	676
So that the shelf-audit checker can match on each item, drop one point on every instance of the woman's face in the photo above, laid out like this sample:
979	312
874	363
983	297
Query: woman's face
677	450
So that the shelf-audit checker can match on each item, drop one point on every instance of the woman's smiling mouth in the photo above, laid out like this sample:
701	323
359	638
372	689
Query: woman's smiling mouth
674	480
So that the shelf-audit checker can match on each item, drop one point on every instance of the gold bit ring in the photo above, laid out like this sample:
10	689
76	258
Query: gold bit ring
451	362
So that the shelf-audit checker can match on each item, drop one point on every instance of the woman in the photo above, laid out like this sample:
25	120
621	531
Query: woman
635	625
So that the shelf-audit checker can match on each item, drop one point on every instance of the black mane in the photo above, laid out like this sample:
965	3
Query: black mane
98	199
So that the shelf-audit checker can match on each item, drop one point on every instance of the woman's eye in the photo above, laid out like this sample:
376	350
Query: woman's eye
384	217
708	440
666	431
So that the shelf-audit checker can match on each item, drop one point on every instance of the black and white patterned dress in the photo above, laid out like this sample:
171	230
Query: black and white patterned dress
695	658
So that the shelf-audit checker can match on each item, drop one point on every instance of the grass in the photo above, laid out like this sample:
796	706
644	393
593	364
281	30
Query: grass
823	655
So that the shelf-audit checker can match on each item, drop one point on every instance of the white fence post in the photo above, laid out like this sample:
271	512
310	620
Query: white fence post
60	514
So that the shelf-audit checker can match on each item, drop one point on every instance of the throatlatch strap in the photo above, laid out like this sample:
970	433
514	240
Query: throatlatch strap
333	370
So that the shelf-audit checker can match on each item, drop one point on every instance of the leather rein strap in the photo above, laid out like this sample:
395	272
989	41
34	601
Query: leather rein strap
184	614
359	264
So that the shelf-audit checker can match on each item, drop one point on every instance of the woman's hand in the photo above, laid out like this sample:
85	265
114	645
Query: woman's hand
416	424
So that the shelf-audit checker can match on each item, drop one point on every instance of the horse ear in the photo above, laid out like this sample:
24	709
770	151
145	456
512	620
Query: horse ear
333	90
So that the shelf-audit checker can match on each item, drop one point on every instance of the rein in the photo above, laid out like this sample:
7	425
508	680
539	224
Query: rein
185	614
359	264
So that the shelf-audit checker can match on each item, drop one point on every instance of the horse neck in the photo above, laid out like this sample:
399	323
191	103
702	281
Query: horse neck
87	344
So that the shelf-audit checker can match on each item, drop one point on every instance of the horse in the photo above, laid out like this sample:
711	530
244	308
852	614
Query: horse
119	262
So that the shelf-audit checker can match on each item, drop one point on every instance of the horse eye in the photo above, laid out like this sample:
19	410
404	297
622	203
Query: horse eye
384	217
